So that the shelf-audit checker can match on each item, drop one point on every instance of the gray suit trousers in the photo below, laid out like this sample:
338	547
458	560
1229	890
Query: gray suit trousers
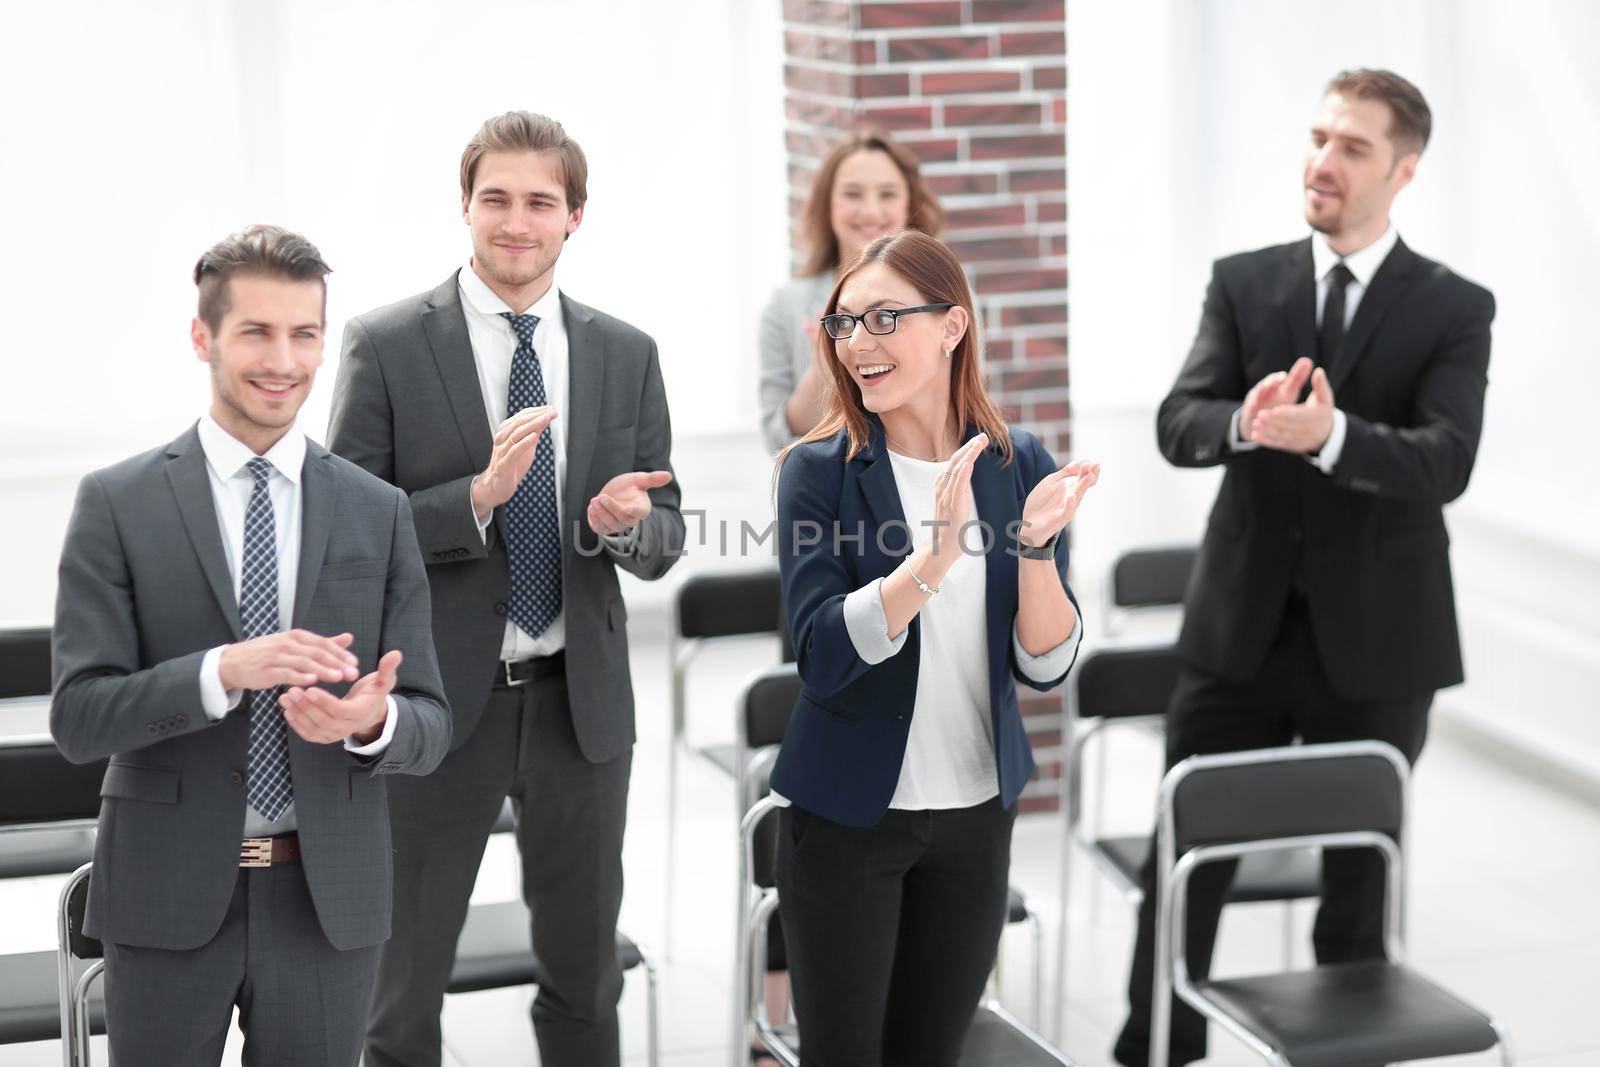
570	819
301	1001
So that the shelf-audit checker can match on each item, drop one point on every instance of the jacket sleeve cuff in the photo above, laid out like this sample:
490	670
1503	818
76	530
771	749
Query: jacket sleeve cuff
216	701
1048	666
868	625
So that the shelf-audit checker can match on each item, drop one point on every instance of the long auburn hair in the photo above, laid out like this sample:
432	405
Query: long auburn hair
923	210
933	270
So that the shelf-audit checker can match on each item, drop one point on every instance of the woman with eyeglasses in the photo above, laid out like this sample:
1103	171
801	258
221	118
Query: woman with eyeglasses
866	187
922	548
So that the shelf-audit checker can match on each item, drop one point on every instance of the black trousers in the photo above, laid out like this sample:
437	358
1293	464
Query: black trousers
1290	698
891	930
570	819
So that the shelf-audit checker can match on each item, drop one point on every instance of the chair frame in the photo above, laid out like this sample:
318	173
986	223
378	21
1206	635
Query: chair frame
1173	874
681	652
73	989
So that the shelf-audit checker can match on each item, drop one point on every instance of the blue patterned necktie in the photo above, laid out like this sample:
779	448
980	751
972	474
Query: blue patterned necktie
267	783
533	536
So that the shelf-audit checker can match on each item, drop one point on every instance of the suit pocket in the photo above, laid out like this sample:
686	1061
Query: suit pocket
833	711
155	785
617	614
360	568
366	787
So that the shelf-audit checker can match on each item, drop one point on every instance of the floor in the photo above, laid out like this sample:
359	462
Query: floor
1502	909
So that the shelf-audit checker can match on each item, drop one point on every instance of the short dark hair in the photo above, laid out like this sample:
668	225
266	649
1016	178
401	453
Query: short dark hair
525	131
259	249
1410	120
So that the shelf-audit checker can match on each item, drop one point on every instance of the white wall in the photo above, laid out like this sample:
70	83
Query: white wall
1188	121
136	134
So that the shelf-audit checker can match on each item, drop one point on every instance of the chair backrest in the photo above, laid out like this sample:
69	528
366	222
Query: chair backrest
1296	791
767	704
1113	683
1151	577
25	662
729	605
38	784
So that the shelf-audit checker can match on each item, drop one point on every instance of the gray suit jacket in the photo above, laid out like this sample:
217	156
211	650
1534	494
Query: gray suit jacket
144	591
408	408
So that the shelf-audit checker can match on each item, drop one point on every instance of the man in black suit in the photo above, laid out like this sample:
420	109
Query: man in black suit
1321	603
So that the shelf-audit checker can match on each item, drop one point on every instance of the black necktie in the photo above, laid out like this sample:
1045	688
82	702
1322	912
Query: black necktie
1331	334
268	784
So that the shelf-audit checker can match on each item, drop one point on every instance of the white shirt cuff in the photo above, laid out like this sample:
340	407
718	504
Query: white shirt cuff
1328	458
868	624
1236	442
216	701
482	524
383	739
1050	665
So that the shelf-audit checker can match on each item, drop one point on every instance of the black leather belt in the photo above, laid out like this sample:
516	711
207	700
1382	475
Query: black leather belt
513	673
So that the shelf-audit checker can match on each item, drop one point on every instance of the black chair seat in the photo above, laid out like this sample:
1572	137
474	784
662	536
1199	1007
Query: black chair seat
723	757
1293	875
38	852
1353	1013
992	1042
29	1007
495	949
1016	906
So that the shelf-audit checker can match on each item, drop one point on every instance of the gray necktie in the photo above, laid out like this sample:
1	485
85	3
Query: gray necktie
267	784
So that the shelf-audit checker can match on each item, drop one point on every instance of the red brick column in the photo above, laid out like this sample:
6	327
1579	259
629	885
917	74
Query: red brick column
977	88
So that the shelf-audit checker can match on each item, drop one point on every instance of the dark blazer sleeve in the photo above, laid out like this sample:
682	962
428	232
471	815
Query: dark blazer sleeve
1041	466
423	723
1192	423
103	703
1431	458
361	429
659	541
814	576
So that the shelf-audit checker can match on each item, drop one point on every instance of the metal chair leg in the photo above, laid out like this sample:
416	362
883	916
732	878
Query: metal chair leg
1036	1003
652	1008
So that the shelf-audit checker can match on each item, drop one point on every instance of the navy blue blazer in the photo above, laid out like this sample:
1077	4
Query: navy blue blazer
846	741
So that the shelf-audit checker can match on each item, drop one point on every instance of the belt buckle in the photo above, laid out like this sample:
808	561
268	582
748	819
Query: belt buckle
255	852
512	683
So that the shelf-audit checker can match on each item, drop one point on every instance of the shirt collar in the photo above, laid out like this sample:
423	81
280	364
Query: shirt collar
227	455
486	302
1363	263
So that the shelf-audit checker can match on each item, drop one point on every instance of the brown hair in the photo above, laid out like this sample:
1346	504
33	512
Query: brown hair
923	210
1410	120
269	250
933	270
524	131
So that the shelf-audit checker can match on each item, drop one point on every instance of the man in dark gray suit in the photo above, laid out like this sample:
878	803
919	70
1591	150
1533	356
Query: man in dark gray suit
218	601
531	433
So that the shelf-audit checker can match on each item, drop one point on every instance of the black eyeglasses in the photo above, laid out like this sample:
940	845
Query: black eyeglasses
878	321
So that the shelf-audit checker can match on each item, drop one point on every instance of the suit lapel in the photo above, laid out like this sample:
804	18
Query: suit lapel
319	498
1392	279
445	325
586	380
1299	300
191	486
878	484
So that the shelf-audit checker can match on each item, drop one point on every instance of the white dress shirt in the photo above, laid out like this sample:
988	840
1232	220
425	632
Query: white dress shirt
949	760
1362	264
231	486
494	343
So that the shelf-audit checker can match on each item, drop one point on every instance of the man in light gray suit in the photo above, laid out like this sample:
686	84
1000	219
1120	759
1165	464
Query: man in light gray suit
531	433
219	599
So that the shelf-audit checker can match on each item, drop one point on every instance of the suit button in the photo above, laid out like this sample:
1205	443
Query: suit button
152	728
181	720
500	607
236	778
